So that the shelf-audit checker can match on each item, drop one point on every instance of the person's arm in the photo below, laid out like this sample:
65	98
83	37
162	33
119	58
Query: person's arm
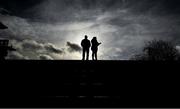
81	43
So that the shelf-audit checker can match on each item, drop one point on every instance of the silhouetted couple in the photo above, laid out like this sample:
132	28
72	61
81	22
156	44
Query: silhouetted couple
86	44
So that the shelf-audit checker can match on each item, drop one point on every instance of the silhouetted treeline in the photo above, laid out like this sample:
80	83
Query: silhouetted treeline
4	45
158	51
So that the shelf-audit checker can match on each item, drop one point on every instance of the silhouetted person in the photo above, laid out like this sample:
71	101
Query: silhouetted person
94	48
86	44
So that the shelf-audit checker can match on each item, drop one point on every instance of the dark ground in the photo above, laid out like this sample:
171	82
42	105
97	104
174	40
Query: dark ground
89	84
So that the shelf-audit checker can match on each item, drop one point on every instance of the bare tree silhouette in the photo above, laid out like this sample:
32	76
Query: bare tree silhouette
158	51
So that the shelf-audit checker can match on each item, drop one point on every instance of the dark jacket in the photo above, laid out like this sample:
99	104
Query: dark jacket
86	44
95	45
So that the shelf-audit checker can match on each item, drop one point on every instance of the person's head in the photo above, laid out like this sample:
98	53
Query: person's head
86	37
95	38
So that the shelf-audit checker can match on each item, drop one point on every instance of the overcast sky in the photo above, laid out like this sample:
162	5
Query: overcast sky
53	29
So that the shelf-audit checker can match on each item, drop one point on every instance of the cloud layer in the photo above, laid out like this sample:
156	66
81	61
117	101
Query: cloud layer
53	29
73	47
31	49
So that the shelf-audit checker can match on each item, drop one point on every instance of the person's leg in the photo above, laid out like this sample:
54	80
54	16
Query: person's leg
87	51
92	55
96	55
83	54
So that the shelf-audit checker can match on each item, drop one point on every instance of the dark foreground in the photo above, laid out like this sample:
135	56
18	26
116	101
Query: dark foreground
89	84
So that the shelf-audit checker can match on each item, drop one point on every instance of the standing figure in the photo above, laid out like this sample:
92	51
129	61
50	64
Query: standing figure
86	44
94	48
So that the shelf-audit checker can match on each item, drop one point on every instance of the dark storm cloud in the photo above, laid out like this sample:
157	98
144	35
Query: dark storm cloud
19	7
62	10
31	49
17	56
45	57
73	47
4	11
30	8
52	49
32	45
